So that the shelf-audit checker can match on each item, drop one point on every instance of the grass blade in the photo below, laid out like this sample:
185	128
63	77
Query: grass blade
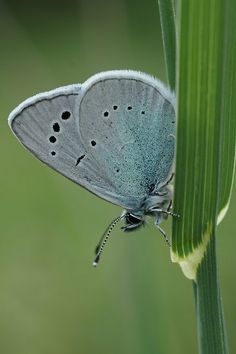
167	16
206	109
200	90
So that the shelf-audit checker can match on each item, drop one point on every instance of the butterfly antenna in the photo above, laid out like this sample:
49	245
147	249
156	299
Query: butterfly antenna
100	247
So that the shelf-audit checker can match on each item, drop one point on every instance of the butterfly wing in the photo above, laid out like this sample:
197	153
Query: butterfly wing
115	156
127	125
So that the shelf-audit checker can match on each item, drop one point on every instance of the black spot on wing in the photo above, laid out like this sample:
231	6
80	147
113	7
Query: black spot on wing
56	127
79	159
52	139
65	115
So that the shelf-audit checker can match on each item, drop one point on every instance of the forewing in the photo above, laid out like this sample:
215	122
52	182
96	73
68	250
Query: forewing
46	125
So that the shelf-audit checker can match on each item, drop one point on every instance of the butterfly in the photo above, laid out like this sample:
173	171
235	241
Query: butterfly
113	135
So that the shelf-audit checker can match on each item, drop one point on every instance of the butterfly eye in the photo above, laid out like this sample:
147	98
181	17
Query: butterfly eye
132	219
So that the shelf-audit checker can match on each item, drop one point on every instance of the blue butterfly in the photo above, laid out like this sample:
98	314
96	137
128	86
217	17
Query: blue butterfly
114	135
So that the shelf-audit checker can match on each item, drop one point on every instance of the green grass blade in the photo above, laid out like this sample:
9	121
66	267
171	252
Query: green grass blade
201	86
167	16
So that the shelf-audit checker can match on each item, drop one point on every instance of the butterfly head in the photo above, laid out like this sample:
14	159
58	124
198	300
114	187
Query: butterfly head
133	220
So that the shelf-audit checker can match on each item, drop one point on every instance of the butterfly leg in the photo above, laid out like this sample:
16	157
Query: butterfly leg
167	212
157	223
169	206
169	180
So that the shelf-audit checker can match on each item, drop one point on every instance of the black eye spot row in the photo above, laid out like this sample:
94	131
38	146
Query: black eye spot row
106	113
56	128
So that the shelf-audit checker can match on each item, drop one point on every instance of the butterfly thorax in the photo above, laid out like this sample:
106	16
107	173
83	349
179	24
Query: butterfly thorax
156	204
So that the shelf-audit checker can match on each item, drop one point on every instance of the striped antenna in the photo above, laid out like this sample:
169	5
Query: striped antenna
100	247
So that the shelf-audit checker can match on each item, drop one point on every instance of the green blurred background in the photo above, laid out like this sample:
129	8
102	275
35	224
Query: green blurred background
52	301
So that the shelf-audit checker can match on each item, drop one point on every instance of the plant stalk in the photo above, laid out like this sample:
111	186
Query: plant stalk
206	43
212	336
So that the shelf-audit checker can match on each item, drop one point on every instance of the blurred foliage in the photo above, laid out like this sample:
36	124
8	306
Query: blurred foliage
51	299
